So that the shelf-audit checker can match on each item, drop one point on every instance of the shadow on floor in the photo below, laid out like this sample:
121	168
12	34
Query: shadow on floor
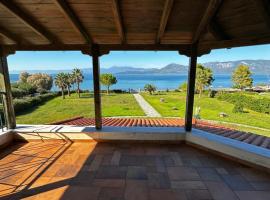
90	170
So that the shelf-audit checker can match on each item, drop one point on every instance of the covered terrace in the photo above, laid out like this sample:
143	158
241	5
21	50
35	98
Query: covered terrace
56	165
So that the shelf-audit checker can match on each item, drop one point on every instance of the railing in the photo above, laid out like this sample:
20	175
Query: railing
2	112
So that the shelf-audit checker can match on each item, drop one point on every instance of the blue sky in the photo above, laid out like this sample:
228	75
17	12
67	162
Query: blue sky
68	60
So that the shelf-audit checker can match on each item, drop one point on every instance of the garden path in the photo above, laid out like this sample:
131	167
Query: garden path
146	107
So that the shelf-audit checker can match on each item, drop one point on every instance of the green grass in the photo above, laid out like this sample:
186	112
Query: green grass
58	109
210	109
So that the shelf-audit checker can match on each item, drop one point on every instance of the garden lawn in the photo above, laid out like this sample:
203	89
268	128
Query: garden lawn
210	109
59	109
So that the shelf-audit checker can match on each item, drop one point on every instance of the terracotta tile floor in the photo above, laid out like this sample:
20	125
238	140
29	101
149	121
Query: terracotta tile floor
63	170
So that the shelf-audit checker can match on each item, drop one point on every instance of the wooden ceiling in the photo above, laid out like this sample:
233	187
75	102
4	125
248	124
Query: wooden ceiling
133	24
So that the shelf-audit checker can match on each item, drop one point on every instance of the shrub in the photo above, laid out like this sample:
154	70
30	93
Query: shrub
150	88
212	93
117	91
261	105
30	102
183	86
29	89
42	91
18	93
238	108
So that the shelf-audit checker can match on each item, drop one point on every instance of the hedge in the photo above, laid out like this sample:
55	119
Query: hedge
29	102
18	93
261	105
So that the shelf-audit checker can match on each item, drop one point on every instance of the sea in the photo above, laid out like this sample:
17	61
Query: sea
161	81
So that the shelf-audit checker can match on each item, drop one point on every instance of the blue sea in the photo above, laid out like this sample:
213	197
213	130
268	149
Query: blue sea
161	81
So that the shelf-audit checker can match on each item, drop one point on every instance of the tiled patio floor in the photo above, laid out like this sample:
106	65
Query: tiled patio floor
63	170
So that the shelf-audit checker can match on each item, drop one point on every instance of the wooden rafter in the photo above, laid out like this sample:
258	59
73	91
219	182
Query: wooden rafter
118	20
216	30
264	9
6	33
73	19
210	12
164	19
28	20
244	41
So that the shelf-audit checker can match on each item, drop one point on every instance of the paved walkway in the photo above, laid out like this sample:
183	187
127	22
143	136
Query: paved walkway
146	107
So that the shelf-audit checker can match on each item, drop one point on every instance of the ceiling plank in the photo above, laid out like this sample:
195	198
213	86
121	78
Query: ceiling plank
74	20
216	30
210	12
6	33
164	19
118	20
28	20
263	8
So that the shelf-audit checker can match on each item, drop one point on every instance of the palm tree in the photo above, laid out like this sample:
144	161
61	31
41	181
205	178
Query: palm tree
69	81
78	78
61	82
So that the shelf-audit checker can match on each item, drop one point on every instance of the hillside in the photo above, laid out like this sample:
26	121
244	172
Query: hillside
256	66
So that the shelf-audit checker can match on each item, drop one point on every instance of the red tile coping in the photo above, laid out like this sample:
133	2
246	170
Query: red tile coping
246	137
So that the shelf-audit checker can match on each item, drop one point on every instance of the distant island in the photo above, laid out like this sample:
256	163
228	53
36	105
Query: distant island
256	66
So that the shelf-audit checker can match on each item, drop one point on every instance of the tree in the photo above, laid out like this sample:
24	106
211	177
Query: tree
61	82
108	80
241	77
69	81
204	78
40	81
23	77
78	78
183	86
150	88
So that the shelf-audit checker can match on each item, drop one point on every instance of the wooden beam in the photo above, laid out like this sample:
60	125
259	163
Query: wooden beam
73	19
216	30
236	42
210	12
118	20
6	33
28	20
96	82
191	87
6	89
13	37
144	47
164	19
263	8
102	47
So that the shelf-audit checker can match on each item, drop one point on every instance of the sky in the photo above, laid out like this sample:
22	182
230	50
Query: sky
146	59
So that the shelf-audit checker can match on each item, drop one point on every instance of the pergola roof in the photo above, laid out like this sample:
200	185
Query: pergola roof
133	24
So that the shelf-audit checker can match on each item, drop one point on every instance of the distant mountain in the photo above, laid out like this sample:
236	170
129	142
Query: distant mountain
256	66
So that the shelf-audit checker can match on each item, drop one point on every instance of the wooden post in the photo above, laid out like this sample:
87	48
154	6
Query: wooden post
191	87
6	89
97	99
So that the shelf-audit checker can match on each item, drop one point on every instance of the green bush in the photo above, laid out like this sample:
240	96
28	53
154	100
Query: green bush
238	108
18	93
29	89
212	93
261	105
30	102
20	90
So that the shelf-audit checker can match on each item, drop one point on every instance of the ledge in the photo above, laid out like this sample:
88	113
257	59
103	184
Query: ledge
223	146
75	133
6	138
240	151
